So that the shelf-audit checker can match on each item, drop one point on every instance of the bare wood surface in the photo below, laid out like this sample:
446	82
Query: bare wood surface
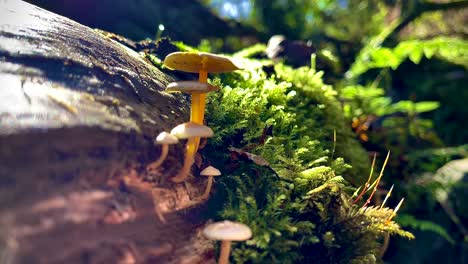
78	115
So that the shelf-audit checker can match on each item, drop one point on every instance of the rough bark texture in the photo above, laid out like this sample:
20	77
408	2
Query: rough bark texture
78	115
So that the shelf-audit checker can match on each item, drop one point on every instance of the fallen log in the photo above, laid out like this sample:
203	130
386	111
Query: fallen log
78	115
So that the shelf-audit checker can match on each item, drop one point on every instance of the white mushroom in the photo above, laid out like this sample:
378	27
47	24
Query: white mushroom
209	172
190	87
165	139
192	132
227	231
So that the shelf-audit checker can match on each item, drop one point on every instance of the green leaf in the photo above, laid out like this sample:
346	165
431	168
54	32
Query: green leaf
426	106
453	50
416	56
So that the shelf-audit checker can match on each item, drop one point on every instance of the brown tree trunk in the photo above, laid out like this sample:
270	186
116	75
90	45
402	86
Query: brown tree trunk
78	115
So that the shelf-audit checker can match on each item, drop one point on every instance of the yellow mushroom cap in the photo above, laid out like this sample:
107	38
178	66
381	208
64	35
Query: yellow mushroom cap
191	87
191	129
210	171
166	138
227	230
196	62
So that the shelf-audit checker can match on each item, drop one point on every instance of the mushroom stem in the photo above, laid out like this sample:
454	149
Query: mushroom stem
207	189
162	157
200	116
188	162
225	250
195	108
197	113
203	78
195	117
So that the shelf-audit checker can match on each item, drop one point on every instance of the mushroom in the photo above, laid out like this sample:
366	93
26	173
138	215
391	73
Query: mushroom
227	232
209	172
192	132
165	139
191	87
201	63
195	89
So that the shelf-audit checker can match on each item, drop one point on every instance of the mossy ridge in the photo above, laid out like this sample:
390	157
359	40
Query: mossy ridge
289	118
299	109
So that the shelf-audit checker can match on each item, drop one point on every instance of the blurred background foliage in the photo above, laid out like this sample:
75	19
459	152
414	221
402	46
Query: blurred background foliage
400	70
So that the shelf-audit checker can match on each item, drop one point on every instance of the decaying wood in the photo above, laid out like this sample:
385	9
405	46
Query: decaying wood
78	115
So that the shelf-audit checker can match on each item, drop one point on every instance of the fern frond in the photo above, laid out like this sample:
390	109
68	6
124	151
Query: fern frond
424	225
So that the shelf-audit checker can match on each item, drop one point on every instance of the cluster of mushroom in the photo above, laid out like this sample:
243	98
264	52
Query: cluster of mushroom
201	63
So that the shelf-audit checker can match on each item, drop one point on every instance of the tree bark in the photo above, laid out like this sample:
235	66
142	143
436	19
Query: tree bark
78	115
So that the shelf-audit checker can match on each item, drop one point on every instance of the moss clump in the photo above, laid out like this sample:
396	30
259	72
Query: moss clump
297	207
293	112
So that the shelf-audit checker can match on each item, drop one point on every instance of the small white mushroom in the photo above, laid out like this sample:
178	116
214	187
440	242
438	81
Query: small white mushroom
227	231
192	132
165	139
209	172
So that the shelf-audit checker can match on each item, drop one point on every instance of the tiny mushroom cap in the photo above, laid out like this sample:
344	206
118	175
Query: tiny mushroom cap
190	130
166	138
196	62
191	87
210	171
227	230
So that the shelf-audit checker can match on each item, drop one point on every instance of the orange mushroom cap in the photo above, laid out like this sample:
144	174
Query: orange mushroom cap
196	62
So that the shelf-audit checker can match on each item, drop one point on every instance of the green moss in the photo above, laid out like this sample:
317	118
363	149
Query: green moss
297	207
298	109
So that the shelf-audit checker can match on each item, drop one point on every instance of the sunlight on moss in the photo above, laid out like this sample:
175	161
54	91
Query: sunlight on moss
288	117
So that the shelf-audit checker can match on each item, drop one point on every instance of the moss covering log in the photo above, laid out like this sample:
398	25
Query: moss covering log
285	175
